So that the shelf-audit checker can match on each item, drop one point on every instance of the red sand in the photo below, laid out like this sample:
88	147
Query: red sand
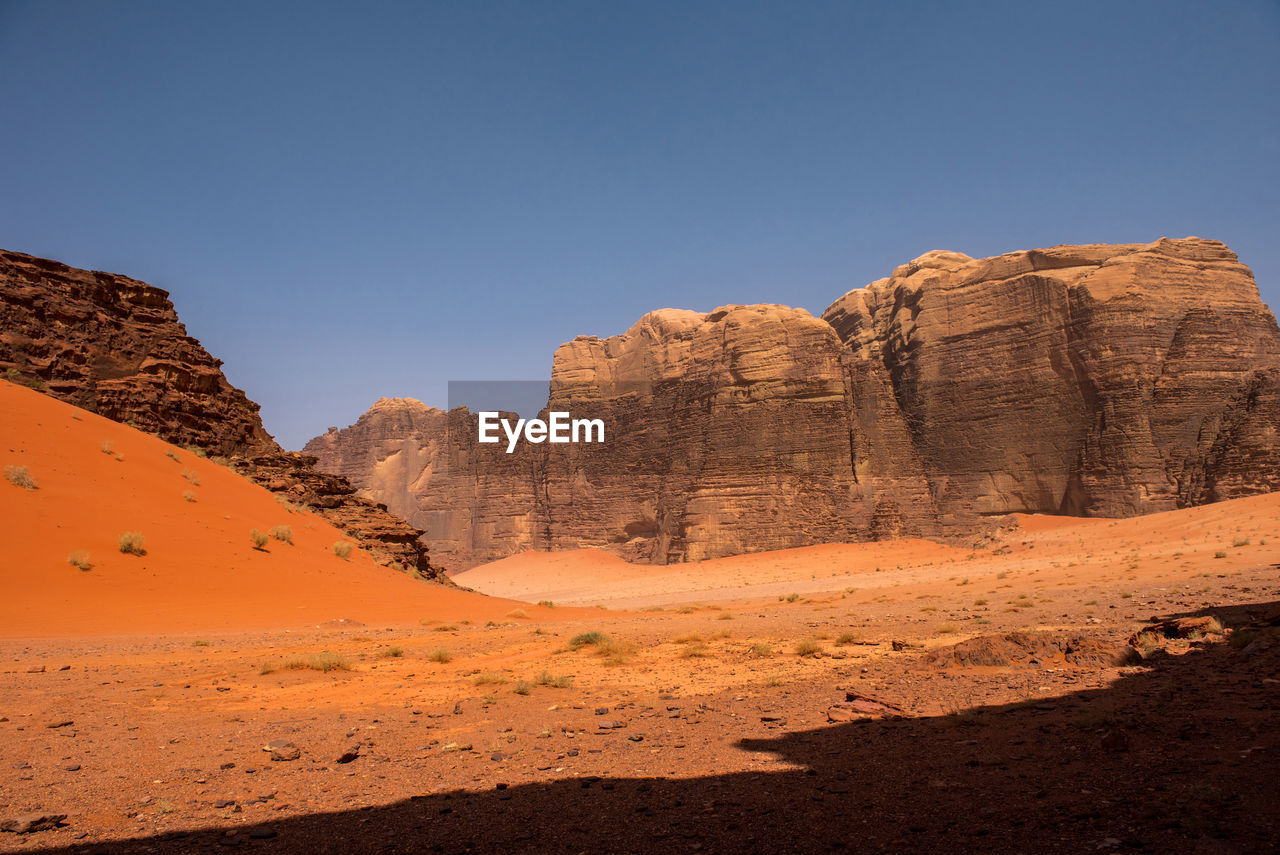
200	571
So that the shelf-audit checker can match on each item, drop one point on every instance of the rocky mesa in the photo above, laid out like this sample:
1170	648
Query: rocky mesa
1103	380
114	346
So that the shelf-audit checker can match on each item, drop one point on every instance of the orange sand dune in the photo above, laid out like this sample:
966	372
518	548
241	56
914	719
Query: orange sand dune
1231	534
200	571
594	576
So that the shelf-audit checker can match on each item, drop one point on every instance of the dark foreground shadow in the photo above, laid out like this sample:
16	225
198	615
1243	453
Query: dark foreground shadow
1181	757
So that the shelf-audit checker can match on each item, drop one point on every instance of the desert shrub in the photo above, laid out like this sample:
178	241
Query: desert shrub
19	476
1219	554
562	681
791	598
189	495
32	382
198	452
319	662
441	655
258	539
808	647
1148	642
846	638
107	447
282	533
522	687
979	602
172	455
585	639
342	549
191	476
392	653
518	613
130	543
615	652
490	678
948	629
1240	542
80	560
687	638
760	650
199	643
695	651
446	627
725	616
547	604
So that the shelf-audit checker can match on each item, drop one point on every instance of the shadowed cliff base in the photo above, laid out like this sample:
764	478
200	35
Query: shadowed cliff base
1176	757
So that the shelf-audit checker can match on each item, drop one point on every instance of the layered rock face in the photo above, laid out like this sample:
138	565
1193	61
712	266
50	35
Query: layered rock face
1093	380
726	432
115	346
1080	379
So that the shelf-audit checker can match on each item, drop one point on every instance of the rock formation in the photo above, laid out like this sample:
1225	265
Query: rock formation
115	346
1093	380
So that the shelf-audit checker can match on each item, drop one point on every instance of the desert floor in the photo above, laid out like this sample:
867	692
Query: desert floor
707	719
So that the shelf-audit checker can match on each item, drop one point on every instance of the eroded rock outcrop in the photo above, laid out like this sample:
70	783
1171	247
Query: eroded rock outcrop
1094	380
1100	380
115	346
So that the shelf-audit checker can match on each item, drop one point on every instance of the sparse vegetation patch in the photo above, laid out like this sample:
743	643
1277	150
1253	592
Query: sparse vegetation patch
131	543
19	476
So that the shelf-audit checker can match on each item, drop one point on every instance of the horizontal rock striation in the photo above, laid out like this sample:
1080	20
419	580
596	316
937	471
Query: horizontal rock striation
1092	380
1106	380
114	346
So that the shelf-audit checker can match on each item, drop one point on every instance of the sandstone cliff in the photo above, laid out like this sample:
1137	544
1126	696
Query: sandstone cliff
1096	380
115	346
1078	379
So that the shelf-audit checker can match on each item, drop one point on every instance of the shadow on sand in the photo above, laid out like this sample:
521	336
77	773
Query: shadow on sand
1182	756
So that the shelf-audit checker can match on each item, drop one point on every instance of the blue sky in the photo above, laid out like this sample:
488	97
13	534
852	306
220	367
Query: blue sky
356	200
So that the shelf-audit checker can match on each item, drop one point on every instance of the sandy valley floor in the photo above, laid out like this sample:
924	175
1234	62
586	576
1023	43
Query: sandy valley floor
700	720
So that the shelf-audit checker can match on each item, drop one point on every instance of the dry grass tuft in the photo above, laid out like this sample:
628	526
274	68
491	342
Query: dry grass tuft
808	647
80	560
258	539
19	476
562	681
342	549
324	662
282	533
130	543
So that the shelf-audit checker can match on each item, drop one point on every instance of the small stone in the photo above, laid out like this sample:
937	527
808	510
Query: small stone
261	834
32	822
350	754
602	710
36	669
75	767
285	753
62	722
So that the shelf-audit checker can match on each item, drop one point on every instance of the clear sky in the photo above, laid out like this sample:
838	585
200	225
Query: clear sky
356	200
